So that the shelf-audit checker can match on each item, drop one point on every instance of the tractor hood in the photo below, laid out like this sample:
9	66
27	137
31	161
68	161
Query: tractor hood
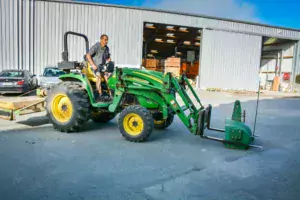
138	77
147	75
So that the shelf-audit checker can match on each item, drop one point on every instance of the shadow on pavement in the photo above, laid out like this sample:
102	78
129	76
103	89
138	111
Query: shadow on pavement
35	121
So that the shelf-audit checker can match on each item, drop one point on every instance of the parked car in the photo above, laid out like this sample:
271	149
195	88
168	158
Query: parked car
17	81
50	77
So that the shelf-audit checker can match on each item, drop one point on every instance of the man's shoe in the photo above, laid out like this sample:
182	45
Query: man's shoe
99	98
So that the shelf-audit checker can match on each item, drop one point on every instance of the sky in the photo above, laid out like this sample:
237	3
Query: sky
284	13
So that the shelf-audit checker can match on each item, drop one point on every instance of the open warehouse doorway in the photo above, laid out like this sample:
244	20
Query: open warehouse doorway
277	66
170	48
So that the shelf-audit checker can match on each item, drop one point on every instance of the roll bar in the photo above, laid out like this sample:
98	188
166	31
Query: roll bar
65	54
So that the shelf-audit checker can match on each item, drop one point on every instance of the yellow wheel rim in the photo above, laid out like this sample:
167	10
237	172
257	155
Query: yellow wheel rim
133	124
62	108
158	122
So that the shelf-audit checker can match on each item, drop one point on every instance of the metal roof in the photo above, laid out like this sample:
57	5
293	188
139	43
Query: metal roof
169	12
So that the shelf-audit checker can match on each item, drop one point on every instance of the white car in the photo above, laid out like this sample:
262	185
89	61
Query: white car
50	77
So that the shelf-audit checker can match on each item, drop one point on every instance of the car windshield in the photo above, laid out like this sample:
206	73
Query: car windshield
53	72
12	74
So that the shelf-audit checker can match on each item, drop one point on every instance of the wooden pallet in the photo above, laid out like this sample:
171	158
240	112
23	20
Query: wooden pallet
12	106
16	103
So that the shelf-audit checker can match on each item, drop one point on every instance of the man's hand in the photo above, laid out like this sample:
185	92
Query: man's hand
95	67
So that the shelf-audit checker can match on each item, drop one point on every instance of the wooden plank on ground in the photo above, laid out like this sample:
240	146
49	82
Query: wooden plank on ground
16	103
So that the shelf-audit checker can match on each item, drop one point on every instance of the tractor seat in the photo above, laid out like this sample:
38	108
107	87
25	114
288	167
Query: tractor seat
89	73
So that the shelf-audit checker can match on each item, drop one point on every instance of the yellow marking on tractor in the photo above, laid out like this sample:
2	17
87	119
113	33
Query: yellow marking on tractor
158	122
149	76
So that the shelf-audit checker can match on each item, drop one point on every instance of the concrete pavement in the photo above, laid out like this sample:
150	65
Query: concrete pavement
41	163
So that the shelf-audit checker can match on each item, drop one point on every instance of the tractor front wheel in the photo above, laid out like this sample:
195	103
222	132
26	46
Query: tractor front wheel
68	106
136	123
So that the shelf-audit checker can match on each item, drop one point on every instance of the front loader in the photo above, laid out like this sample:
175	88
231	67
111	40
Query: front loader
144	99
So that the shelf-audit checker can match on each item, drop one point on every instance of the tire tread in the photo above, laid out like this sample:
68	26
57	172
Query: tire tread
81	106
147	119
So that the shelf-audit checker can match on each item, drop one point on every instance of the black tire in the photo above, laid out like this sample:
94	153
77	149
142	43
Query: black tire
102	117
162	124
146	118
80	112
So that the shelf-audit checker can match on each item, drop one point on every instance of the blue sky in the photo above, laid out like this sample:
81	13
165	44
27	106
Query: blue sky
274	12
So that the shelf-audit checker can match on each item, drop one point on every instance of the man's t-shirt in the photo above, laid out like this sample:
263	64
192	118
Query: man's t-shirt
99	54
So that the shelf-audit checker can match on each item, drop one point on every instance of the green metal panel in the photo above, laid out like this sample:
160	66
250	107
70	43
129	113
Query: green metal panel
117	99
112	81
147	102
84	80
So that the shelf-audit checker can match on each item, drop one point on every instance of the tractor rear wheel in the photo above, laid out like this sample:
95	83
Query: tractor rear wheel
68	106
102	117
164	123
136	123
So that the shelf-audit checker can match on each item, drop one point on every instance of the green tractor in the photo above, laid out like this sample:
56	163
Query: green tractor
144	99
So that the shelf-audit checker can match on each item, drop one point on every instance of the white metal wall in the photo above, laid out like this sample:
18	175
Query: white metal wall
54	19
9	17
36	40
296	60
230	60
16	34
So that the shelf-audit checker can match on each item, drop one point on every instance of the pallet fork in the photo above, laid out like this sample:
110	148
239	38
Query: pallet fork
237	134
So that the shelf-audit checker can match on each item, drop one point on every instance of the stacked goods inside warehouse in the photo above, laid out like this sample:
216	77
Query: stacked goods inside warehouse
173	65
175	49
276	72
153	64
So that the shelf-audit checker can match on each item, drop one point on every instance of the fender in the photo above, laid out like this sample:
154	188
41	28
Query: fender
83	80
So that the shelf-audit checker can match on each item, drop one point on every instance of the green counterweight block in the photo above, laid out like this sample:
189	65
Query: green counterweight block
237	111
238	134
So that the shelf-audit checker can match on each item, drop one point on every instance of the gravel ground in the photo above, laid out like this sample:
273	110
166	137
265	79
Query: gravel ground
40	163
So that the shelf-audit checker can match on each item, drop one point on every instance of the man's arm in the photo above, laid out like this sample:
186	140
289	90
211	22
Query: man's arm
91	61
89	56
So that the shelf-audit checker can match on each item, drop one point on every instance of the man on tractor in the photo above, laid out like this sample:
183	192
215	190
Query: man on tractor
98	57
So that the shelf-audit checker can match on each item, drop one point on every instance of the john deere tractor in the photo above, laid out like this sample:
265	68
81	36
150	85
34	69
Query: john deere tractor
144	99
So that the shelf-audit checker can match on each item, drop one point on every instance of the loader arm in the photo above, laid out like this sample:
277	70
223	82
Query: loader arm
188	113
237	133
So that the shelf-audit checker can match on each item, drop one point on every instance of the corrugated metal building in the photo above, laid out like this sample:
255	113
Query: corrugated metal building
32	31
